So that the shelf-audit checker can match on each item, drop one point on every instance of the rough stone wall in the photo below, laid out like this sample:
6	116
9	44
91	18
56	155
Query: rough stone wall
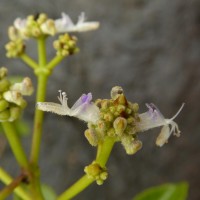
151	49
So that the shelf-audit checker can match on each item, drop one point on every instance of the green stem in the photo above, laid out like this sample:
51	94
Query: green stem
38	120
42	76
6	179
104	150
103	153
42	52
15	144
29	61
57	59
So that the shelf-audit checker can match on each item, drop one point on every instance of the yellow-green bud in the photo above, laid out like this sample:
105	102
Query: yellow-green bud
93	170
104	175
65	45
135	107
119	125
111	132
104	104
121	108
4	85
122	99
4	115
130	120
14	113
42	18
15	48
131	145
91	137
112	109
3	72
3	105
108	117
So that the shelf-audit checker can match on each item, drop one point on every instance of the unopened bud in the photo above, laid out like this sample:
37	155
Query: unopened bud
115	92
3	72
95	171
4	85
119	125
131	145
25	87
122	100
48	27
91	137
14	113
15	97
4	115
3	105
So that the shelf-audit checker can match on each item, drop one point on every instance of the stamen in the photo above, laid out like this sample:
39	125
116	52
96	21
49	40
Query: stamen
178	112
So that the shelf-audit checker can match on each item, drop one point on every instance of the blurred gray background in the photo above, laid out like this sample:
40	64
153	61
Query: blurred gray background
151	49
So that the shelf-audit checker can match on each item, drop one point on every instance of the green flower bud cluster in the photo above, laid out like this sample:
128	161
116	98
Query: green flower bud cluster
66	45
39	26
15	48
32	27
117	120
11	96
95	171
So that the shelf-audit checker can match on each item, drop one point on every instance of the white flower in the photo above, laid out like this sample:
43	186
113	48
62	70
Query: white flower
14	97
153	118
83	108
48	27
21	25
25	87
65	24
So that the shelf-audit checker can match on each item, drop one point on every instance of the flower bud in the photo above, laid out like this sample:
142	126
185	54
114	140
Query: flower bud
25	87
65	45
135	107
95	171
91	137
116	92
48	27
131	145
122	100
4	85
3	105
15	97
14	113
119	125
3	72
15	48
4	115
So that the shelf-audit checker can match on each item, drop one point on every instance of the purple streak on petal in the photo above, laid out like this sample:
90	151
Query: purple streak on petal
86	98
153	111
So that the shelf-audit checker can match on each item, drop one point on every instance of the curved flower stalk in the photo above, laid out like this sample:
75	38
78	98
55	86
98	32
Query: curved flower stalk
83	108
154	118
65	24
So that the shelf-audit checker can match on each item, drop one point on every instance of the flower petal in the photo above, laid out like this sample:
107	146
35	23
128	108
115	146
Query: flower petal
83	108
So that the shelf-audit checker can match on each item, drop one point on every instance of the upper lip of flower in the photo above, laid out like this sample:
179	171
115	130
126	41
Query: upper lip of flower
83	108
65	24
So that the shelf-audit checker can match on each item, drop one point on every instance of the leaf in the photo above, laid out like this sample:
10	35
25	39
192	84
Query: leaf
165	192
